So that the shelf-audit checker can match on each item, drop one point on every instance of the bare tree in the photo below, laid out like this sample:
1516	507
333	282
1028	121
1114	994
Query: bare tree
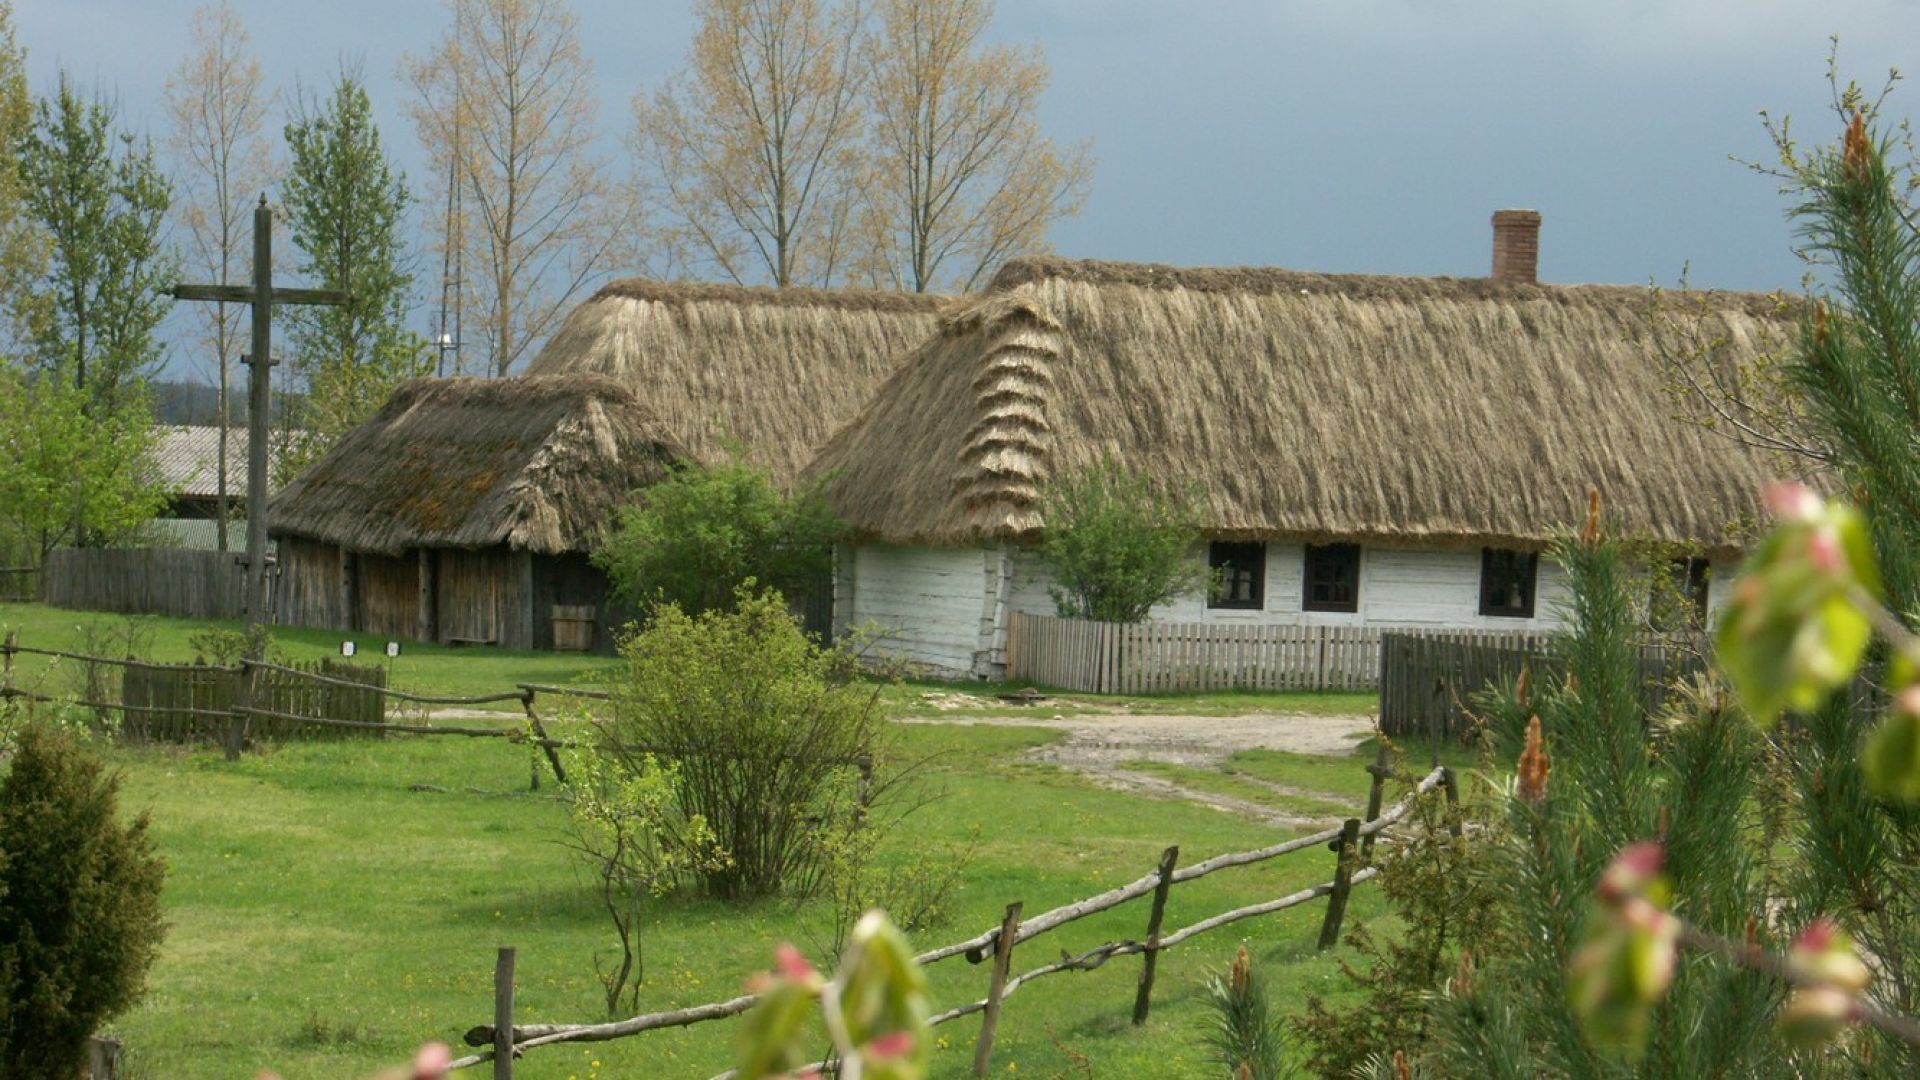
504	103
22	252
752	154
963	178
219	108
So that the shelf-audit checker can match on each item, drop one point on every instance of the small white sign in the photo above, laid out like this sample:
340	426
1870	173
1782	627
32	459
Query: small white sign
347	648
393	648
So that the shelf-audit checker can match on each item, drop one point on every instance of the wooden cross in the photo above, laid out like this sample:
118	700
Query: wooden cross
262	295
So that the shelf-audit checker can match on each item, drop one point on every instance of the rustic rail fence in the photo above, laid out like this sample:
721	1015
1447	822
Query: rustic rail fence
1428	683
1150	657
200	702
183	582
1350	843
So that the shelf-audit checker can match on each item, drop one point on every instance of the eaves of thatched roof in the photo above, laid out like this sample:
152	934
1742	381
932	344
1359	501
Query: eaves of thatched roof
764	373
535	463
1398	411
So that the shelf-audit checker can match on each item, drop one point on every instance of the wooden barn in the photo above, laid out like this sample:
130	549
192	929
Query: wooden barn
1373	452
463	513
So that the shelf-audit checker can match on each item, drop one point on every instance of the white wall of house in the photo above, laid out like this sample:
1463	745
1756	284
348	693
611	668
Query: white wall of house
924	605
942	609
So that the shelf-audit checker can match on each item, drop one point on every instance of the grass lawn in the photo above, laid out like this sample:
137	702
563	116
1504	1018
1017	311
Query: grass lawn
331	905
325	917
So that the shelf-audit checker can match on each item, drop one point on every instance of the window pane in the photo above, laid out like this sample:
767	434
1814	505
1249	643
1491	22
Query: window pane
1507	580
1332	578
1241	572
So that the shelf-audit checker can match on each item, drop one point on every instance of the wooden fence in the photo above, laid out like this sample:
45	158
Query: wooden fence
506	1040
19	584
1144	658
186	703
1427	683
181	582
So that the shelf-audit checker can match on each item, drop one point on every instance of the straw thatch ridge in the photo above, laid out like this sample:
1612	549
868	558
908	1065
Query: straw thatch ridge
765	373
535	463
1398	411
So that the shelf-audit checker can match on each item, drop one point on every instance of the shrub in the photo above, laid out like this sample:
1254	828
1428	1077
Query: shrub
695	538
80	914
1118	545
762	727
1243	1035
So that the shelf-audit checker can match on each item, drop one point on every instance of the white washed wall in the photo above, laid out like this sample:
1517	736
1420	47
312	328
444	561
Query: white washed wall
925	603
1438	589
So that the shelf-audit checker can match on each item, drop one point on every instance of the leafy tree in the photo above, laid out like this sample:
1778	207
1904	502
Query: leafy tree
101	200
346	208
962	177
80	923
67	477
1117	544
762	727
219	108
753	153
21	248
694	539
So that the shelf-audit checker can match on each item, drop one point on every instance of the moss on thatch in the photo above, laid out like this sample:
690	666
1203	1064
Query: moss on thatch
769	373
536	463
1408	411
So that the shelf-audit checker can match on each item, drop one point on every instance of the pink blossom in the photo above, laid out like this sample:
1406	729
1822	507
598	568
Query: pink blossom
892	1045
1632	870
1791	501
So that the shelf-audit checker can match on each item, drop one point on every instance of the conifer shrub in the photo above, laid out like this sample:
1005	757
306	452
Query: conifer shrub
80	916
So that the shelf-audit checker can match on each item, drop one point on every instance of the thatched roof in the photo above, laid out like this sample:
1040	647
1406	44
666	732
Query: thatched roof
534	463
771	372
1410	411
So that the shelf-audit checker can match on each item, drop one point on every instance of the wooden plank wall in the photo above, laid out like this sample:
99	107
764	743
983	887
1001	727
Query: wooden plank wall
1156	657
308	590
183	582
482	598
189	688
386	594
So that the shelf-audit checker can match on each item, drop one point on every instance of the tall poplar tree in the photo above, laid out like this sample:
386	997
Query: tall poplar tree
101	201
20	248
346	207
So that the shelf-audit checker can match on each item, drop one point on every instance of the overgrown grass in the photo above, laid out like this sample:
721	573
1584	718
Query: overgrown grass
326	916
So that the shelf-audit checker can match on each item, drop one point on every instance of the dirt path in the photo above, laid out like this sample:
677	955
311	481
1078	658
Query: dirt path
1101	745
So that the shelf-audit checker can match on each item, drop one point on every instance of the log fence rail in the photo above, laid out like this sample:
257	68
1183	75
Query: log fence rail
996	946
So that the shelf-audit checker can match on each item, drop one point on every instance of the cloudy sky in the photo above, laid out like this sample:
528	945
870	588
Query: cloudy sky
1337	135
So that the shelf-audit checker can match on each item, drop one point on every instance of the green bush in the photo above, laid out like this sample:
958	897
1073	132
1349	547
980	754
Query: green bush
762	727
79	904
695	538
1117	545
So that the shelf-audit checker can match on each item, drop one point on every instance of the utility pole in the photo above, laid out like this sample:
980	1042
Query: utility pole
262	295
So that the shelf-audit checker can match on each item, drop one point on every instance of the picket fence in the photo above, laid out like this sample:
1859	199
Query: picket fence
1152	657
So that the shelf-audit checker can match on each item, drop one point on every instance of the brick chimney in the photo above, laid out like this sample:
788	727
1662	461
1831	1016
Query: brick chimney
1516	247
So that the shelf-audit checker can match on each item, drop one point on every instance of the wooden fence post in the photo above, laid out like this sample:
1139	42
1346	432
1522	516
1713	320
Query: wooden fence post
1375	794
1142	999
245	697
990	1018
1452	784
6	661
103	1058
503	1015
540	732
1342	884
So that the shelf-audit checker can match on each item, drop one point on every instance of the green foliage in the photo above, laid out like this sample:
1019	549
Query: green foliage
101	201
694	539
627	828
1438	884
1599	775
1243	1033
80	922
69	474
1117	544
21	247
763	728
346	208
916	889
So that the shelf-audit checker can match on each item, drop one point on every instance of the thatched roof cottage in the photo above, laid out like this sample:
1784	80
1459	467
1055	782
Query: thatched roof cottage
465	510
1373	451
